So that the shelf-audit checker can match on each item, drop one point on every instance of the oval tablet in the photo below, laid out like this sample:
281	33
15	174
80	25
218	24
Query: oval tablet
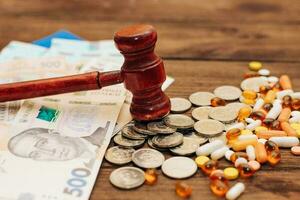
235	191
208	148
285	142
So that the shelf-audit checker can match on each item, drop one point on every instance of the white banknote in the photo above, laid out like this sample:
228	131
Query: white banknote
40	163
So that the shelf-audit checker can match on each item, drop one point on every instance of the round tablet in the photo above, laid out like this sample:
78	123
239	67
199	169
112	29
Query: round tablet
179	167
231	173
201	113
228	92
223	114
148	158
119	155
201	98
180	105
209	127
254	83
179	121
201	160
264	72
127	177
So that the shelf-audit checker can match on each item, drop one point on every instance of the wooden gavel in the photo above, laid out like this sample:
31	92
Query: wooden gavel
142	73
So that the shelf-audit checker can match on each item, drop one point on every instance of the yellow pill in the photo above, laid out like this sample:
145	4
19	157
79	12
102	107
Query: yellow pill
249	101
249	94
255	66
231	173
295	125
246	132
201	160
260	128
298	133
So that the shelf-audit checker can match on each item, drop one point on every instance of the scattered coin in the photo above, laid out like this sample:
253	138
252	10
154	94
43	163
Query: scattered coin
148	158
129	133
228	92
188	147
180	105
201	98
221	137
236	106
119	155
179	167
179	121
151	145
201	113
222	114
141	127
168	141
160	127
209	127
254	83
196	137
127	177
122	141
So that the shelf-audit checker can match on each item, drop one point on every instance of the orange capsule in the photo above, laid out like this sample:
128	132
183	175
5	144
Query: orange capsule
296	104
217	175
150	176
286	127
209	167
274	157
267	122
216	101
233	134
275	125
219	187
260	153
243	113
237	155
270	96
249	94
245	170
183	190
241	145
264	89
285	114
258	115
267	107
271	146
287	101
270	133
285	82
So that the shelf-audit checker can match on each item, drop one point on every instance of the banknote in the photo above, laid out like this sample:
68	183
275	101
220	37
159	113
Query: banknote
39	162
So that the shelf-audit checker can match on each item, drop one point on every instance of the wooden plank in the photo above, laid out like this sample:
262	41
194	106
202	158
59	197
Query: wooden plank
268	42
279	182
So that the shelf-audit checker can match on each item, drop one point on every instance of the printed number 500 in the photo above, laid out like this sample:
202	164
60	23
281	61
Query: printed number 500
76	183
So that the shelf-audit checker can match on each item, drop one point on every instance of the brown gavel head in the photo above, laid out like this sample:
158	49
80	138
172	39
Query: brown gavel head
142	73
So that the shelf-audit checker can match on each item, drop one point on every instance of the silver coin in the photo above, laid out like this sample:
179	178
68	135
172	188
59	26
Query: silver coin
221	137
168	141
141	127
179	167
151	145
148	158
119	155
124	142
209	127
201	113
228	92
222	114
179	121
160	127
129	133
196	137
188	147
201	98
127	177
236	106
180	105
254	83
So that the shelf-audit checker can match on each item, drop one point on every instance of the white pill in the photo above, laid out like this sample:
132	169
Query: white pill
275	111
283	93
295	119
262	140
295	95
235	191
219	153
208	148
249	120
286	141
250	152
273	79
240	161
239	125
228	154
264	72
253	125
295	113
258	104
247	137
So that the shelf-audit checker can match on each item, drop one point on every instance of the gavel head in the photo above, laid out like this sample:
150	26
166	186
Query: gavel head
143	72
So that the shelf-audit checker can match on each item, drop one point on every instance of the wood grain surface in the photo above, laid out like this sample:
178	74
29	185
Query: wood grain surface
204	44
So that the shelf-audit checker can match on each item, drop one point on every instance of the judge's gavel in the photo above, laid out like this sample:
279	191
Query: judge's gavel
142	73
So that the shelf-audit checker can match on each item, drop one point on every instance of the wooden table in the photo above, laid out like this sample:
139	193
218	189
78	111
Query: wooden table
204	44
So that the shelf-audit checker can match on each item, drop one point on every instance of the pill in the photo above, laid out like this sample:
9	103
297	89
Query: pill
246	132
264	72
295	113
247	137
232	134
267	107
235	191
183	190
263	89
231	173
249	94
295	125
254	165
287	101
208	148
273	79
285	114
249	120
228	154
239	125
295	95
296	104
274	157
285	142
295	119
200	160
240	161
260	153
237	155
270	133
285	82
219	153
253	125
255	66
270	96
216	101
271	146
247	101
258	104
283	93
260	128
243	113
262	140
275	111
241	145
296	150
288	129
209	167
250	150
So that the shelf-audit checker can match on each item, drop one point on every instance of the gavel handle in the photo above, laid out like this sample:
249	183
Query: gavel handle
59	85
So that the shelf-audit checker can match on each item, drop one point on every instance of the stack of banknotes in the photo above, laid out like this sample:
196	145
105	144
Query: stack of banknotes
52	147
